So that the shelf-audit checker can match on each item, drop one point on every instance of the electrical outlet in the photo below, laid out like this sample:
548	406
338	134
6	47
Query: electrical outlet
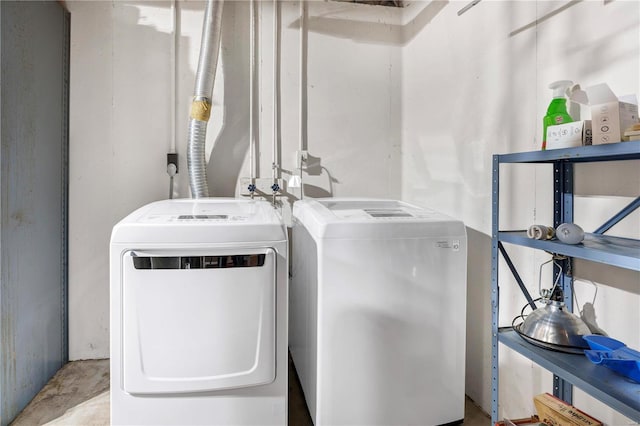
300	158
172	158
263	186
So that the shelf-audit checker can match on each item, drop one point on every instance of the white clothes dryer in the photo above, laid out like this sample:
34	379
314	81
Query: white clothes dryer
199	314
378	312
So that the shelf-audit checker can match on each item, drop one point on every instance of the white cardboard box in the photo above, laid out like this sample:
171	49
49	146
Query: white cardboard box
610	116
569	135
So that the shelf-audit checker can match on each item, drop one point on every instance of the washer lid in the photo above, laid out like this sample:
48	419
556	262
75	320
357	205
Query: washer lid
208	220
372	218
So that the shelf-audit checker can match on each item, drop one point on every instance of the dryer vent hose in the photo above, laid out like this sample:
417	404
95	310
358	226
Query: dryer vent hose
203	93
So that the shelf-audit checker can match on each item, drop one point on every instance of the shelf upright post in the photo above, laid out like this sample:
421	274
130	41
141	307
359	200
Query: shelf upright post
563	213
495	289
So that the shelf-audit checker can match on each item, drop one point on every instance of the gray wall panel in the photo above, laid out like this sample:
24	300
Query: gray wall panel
34	46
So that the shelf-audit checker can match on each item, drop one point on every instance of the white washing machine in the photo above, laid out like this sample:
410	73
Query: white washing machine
199	314
378	312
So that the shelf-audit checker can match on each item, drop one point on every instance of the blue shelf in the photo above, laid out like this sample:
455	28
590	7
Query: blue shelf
593	153
569	370
600	382
616	251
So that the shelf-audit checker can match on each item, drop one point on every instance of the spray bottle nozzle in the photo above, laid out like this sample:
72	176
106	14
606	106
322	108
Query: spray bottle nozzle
560	88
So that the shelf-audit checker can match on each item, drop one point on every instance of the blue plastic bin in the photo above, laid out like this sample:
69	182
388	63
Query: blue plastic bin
613	354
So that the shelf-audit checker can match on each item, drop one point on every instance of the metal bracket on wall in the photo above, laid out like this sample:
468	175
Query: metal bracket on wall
469	6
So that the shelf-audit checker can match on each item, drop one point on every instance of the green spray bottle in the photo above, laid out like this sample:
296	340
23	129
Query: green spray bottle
557	111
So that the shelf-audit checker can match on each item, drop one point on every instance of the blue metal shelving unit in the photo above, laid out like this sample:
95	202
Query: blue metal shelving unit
569	370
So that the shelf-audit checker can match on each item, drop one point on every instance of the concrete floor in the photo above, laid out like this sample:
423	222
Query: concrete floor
78	395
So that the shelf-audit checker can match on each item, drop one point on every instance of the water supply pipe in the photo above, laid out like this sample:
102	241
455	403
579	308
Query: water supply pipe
174	72
252	92
303	92
172	169
203	93
276	87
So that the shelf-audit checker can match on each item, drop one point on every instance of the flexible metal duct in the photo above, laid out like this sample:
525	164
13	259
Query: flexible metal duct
203	92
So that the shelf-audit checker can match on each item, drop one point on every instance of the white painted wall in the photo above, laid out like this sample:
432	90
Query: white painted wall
119	136
474	85
120	121
402	103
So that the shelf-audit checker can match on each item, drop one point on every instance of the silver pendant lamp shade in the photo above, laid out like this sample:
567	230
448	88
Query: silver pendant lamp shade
553	327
